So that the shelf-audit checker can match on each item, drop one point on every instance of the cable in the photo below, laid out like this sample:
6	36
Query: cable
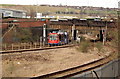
96	74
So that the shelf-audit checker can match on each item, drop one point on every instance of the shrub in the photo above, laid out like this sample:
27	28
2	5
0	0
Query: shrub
115	37
84	46
99	46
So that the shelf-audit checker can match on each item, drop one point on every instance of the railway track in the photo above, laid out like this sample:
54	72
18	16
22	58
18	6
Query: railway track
76	70
35	49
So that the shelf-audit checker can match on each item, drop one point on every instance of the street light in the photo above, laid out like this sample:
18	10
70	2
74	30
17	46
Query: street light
36	8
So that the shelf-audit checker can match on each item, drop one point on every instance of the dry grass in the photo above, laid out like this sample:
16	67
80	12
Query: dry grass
40	9
52	10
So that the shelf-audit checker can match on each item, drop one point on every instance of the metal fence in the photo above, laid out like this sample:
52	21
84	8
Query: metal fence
19	46
108	71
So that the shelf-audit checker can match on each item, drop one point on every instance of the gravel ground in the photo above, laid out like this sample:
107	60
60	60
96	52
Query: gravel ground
36	63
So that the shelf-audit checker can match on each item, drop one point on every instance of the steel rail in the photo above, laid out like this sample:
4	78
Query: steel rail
35	49
76	70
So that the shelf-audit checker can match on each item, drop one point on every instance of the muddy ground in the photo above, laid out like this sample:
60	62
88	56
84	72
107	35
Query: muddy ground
36	63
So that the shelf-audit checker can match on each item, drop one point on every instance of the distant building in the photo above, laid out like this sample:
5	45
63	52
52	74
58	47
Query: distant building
38	15
12	13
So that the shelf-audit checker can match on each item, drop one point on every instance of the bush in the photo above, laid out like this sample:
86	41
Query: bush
84	46
24	34
115	37
82	38
99	46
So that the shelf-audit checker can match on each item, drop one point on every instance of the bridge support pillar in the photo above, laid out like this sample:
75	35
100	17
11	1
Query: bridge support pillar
44	34
74	32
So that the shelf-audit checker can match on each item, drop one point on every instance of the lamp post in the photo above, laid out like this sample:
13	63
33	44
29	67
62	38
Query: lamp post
118	27
105	30
36	8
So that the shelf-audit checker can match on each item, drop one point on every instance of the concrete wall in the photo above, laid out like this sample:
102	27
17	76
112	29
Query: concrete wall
108	71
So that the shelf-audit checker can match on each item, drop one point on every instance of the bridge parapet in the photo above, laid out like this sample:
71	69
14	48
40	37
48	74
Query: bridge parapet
85	23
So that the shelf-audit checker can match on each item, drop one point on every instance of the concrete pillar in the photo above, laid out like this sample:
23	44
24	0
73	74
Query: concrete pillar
73	30
44	34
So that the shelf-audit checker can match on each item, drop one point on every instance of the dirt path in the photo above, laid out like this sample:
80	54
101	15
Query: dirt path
45	61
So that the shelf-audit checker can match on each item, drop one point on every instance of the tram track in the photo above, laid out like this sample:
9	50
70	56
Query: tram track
35	49
70	71
77	70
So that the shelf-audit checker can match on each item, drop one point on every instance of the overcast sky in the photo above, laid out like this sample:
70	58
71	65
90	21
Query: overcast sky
96	3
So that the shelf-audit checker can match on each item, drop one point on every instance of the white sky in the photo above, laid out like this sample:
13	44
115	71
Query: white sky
96	3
